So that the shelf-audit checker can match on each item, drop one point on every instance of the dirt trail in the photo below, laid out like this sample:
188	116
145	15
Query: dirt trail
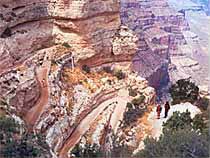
34	113
153	126
119	110
85	125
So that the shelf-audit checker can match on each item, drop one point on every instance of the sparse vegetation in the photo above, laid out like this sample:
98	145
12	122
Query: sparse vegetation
120	150
203	103
107	69
119	74
138	101
86	68
14	144
182	137
65	44
132	114
132	92
88	151
184	91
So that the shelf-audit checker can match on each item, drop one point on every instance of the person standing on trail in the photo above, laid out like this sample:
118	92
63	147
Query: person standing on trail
158	110
167	108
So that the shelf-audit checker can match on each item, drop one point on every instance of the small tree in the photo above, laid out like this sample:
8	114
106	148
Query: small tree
15	145
88	151
203	103
86	68
119	74
184	91
8	127
107	69
198	123
65	44
184	143
132	92
178	121
138	101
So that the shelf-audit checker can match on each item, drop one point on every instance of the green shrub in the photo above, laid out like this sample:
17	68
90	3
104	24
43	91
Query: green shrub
183	143
65	44
183	121
119	74
139	100
86	68
198	123
8	125
88	151
182	137
132	92
15	145
107	69
184	91
177	121
203	103
132	114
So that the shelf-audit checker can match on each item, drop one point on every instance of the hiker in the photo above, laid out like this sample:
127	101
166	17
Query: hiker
158	110
167	108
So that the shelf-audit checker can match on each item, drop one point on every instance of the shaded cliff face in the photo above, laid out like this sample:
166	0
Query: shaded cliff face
164	41
147	20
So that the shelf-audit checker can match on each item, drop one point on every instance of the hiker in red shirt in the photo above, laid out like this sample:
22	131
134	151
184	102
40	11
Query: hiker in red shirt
158	110
167	108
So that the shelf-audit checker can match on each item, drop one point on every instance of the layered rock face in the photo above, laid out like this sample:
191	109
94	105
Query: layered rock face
158	30
28	26
88	26
166	50
191	61
25	27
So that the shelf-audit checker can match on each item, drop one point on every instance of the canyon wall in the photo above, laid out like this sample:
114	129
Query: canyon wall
166	48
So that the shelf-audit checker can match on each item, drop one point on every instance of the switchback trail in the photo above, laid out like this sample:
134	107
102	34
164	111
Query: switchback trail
34	113
88	120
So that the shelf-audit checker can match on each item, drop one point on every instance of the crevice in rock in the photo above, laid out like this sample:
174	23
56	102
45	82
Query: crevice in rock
18	8
6	33
87	17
